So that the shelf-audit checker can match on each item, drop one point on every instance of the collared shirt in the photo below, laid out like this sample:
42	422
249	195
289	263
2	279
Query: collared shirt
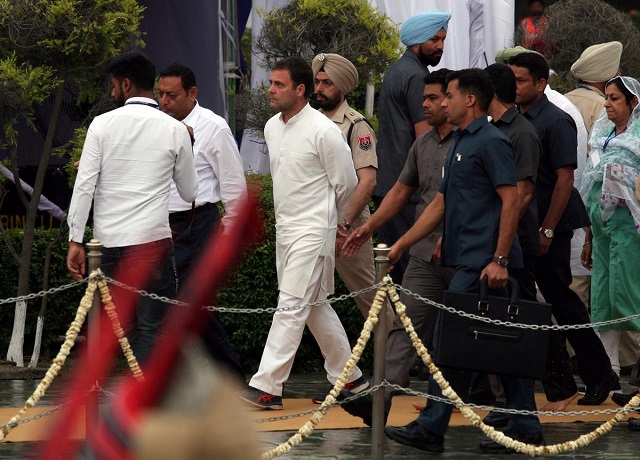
363	138
527	148
590	102
423	171
129	158
399	109
557	133
313	182
218	164
480	160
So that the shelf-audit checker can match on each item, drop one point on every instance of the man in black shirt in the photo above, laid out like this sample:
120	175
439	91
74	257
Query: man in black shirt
560	211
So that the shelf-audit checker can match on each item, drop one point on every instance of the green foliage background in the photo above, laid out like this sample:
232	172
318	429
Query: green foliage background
254	285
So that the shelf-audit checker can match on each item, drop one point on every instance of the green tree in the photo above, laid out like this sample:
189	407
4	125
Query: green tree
46	47
352	28
577	24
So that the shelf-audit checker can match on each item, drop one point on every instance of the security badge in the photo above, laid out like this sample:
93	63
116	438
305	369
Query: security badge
365	142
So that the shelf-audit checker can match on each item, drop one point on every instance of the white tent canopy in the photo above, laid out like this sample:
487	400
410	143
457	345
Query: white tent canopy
477	30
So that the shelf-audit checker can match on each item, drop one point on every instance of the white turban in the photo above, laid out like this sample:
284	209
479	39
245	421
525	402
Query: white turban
341	71
598	63
421	27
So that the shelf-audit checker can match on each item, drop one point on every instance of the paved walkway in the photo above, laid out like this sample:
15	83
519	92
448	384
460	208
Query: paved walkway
460	442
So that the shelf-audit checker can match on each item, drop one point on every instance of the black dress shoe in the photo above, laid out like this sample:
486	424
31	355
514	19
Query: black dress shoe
497	419
415	435
597	394
492	447
622	399
362	407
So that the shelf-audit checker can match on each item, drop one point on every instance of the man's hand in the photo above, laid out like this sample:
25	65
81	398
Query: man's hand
76	260
355	241
586	256
394	255
544	245
341	237
497	276
436	256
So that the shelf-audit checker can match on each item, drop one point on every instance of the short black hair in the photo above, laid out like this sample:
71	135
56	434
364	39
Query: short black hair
504	82
300	71
136	67
476	82
534	62
438	76
187	77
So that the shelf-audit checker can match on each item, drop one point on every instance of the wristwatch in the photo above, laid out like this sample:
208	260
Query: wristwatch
547	232
503	261
346	224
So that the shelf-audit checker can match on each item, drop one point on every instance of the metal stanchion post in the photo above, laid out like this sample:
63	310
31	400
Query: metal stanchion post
94	256
379	351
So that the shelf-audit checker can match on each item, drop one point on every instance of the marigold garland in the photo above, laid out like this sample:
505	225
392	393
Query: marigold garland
447	391
475	419
110	308
59	360
70	338
309	426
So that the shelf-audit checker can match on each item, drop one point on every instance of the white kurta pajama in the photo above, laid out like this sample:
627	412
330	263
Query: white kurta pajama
313	182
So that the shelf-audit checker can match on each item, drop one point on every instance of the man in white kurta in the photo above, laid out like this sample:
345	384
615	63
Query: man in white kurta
313	181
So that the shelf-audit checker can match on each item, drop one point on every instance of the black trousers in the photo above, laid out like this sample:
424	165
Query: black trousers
553	275
558	382
191	233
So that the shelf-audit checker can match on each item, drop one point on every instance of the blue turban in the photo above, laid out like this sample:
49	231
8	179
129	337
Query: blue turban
421	27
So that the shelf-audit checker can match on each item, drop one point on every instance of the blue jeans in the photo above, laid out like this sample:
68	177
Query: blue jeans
519	392
150	313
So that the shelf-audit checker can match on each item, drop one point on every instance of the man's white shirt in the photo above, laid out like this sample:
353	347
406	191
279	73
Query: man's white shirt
218	164
129	159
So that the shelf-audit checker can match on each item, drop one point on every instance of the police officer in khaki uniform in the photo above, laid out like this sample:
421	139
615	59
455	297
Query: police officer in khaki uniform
335	77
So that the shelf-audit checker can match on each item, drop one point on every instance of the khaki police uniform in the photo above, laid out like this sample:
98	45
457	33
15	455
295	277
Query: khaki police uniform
359	272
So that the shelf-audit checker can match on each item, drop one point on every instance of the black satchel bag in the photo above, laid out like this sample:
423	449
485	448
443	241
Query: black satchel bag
469	344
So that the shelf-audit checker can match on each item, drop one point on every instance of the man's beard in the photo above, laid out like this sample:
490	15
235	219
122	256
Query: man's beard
327	103
120	100
432	59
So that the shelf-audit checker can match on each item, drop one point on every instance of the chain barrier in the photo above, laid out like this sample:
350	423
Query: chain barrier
410	392
385	288
43	293
142	292
542	327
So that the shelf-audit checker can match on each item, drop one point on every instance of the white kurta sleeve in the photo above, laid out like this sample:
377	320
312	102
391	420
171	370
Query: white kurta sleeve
223	156
336	158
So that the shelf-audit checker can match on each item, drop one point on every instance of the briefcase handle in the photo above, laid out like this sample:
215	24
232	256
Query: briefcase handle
514	297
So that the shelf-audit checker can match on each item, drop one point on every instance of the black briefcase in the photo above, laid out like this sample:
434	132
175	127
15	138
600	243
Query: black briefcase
469	344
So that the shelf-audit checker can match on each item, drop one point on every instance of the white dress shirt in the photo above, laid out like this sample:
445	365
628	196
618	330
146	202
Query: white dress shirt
313	182
129	158
218	164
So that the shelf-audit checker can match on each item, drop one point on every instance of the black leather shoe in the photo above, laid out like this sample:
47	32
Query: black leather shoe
597	394
362	407
492	447
497	419
415	435
634	424
622	399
